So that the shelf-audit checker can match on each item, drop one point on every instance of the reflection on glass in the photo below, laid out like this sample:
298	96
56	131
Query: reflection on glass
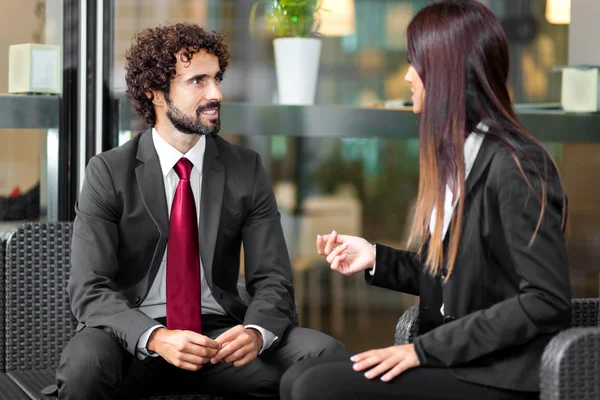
368	186
338	18
28	157
364	187
366	64
21	156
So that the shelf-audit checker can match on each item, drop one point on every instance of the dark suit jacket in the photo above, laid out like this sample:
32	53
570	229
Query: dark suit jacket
121	230
505	299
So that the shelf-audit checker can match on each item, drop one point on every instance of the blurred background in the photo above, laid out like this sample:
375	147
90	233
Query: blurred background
349	162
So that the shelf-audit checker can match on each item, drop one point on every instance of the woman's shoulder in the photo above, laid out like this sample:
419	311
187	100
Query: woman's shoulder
517	151
520	161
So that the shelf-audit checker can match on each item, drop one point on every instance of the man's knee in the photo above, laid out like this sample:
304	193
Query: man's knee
319	344
302	343
92	360
332	346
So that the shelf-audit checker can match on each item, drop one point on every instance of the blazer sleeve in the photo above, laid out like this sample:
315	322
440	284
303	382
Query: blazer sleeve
95	300
268	272
396	270
543	301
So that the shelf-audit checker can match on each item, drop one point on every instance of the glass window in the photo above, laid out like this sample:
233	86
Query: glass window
370	181
29	119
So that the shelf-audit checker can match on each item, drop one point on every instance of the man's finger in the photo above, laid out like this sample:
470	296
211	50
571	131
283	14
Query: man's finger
245	360
201	351
229	335
202	340
194	359
226	351
238	355
191	367
187	365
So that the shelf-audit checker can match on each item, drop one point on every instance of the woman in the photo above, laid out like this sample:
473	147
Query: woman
491	268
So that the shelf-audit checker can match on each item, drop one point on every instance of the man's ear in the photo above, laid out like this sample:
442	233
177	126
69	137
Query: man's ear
157	97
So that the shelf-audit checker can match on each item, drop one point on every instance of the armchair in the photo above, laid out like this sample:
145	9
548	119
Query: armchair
570	363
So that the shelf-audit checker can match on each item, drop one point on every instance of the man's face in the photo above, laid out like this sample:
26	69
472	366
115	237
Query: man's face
194	100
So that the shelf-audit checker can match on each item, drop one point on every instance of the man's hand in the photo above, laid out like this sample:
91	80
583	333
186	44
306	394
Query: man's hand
239	346
184	349
392	361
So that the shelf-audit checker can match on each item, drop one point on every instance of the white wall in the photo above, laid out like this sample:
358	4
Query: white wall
17	25
584	32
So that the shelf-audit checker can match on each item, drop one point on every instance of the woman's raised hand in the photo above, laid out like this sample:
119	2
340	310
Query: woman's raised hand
346	254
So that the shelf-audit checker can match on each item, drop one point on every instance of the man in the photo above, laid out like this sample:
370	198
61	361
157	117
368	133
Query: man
156	246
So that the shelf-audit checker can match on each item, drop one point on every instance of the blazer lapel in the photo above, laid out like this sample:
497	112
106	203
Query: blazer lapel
211	200
488	148
152	190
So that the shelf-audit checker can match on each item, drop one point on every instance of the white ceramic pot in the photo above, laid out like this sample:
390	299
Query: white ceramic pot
297	65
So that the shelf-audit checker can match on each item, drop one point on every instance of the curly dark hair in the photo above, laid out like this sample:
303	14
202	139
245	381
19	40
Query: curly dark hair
150	62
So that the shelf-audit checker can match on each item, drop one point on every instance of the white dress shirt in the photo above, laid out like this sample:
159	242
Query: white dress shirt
472	146
154	304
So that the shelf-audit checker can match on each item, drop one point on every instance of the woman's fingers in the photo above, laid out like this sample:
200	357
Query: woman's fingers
367	362
397	370
337	265
330	243
384	366
361	356
336	252
321	244
391	361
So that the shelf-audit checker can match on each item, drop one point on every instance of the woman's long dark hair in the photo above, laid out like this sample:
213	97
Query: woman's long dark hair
459	50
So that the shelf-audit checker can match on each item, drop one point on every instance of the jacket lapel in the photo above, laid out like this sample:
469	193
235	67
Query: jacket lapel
488	148
211	200
152	189
151	184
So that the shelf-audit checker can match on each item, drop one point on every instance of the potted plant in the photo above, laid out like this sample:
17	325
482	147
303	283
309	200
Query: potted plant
297	52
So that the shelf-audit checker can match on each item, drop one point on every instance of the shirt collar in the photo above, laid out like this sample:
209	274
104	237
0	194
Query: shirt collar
169	155
472	146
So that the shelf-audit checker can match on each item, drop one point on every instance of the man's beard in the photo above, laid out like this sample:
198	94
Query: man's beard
194	126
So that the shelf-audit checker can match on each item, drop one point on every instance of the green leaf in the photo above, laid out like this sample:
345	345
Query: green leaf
290	18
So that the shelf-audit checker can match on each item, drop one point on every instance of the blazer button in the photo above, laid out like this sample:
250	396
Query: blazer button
138	300
449	318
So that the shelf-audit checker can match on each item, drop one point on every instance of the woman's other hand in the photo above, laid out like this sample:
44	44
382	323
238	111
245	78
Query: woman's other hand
346	254
391	361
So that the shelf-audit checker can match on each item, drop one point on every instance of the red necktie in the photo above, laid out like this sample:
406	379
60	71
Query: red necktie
184	310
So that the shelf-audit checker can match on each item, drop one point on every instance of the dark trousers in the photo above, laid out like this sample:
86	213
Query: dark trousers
333	378
94	366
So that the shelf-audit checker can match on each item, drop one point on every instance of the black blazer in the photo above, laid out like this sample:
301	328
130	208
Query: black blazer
121	230
505	298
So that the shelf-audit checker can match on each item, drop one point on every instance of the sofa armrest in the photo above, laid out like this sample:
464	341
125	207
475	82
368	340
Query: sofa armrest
570	365
407	327
584	312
